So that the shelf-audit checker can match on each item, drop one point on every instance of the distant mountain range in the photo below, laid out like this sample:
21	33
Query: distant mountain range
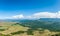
46	23
50	19
41	19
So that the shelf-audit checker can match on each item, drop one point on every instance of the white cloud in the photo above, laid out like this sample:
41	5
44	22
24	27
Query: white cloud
45	15
21	16
37	15
58	14
18	16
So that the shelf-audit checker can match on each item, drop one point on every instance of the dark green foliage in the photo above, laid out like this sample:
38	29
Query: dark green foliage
18	32
30	32
2	29
52	35
34	24
56	35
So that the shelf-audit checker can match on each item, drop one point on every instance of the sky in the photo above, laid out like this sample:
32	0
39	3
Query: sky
29	9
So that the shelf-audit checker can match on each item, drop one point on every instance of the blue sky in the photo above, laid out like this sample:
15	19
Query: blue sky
27	7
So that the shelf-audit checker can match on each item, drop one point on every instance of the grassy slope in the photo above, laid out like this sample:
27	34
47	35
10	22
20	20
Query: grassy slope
12	29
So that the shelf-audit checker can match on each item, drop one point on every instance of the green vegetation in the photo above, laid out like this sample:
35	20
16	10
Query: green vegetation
30	27
34	24
18	32
4	35
30	32
2	29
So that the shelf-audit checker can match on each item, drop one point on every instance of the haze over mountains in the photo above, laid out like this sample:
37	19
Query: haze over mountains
41	19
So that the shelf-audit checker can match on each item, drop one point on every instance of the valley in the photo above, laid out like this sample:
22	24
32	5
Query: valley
29	28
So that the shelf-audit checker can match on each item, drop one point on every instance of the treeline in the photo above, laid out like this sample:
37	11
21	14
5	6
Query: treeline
34	24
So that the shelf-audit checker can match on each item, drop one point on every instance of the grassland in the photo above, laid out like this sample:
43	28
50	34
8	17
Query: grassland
13	29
